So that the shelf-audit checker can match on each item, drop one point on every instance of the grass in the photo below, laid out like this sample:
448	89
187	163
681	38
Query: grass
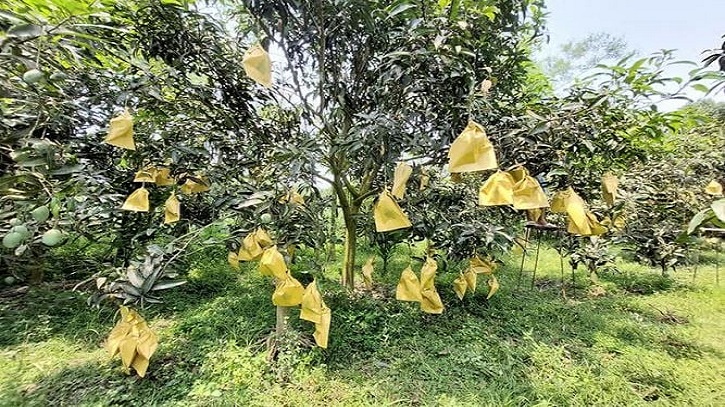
632	338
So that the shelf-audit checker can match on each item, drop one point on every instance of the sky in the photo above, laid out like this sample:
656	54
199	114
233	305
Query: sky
647	26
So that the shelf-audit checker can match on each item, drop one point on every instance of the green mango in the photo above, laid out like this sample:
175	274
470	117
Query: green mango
15	222
265	218
33	76
52	237
40	214
23	230
13	240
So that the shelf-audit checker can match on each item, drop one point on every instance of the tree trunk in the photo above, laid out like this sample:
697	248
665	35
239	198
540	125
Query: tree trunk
332	248
348	262
282	313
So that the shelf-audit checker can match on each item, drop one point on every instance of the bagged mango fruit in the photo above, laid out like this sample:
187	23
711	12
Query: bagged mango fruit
172	209
497	190
314	310
471	276
714	188
293	197
322	330
258	65
528	194
430	300
120	131
254	245
609	188
163	177
134	340
288	293
138	201
460	285
471	151
408	288
580	220
263	238
481	266
367	273
388	215
272	264
400	179
312	304
194	187
233	260
145	175
493	286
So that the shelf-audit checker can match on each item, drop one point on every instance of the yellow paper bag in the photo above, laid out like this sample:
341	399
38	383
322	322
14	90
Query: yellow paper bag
272	264
145	175
480	266
471	276
560	201
714	188
492	286
430	300
138	201
367	272
193	187
609	188
312	304
263	238
163	177
120	131
460	285
288	293
408	288
497	190
400	179
388	215
233	260
134	340
258	65
528	194
172	209
322	330
472	151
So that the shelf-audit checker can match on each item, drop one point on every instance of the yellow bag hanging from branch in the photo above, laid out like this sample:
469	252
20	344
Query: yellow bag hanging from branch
250	249
120	131
528	194
492	286
472	151
408	288
400	179
388	215
263	238
480	266
194	187
430	300
322	330
233	260
288	293
609	188
293	197
163	177
714	188
497	190
138	201
471	276
367	273
145	175
258	65
312	304
272	264
460	285
172	209
134	340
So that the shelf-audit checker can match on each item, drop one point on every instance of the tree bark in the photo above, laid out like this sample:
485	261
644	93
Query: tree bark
348	262
282	313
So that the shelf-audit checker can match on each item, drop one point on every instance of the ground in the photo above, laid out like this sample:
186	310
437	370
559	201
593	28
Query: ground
632	338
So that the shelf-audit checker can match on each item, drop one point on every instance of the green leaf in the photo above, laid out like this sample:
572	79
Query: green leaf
697	220
165	285
700	87
25	31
